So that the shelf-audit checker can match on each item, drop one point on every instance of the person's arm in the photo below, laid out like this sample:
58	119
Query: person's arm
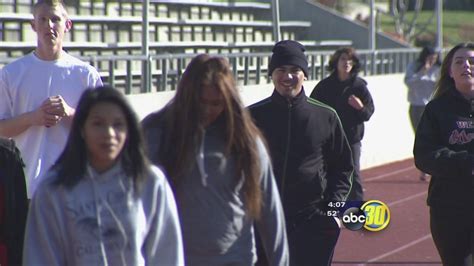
43	243
431	153
340	167
363	102
163	244
15	126
58	106
11	126
415	77
271	225
51	111
410	74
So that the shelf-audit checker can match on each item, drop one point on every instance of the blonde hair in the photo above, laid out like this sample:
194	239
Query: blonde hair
53	4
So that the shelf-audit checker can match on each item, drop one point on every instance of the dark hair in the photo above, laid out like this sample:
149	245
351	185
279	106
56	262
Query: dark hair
446	82
425	52
185	127
351	52
72	163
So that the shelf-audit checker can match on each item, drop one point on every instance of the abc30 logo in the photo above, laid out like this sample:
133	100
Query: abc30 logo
373	215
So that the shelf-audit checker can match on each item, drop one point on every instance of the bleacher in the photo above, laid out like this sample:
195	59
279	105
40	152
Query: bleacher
114	27
228	26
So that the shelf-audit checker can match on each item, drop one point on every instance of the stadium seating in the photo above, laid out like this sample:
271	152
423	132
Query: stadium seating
114	27
171	21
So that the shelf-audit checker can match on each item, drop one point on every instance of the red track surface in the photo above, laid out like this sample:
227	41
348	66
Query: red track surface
407	239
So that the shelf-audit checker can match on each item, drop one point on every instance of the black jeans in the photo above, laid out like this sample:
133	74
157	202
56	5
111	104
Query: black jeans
312	242
453	235
415	112
357	191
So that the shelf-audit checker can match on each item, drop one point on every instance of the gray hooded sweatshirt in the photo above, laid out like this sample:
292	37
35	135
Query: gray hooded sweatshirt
216	227
420	85
100	221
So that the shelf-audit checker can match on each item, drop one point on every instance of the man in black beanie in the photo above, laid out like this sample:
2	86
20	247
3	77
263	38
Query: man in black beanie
310	154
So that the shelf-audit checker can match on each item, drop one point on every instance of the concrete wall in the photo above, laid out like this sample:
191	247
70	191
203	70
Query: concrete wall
388	135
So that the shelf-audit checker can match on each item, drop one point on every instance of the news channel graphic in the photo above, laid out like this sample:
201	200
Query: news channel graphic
371	215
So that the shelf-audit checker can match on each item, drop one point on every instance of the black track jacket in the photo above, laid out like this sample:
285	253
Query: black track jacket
444	148
311	157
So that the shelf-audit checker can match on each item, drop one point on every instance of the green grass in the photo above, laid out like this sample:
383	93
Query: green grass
458	26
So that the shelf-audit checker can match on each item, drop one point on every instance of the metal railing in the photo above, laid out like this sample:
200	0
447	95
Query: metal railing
126	72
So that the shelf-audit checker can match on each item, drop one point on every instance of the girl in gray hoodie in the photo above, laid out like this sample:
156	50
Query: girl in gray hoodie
219	169
102	203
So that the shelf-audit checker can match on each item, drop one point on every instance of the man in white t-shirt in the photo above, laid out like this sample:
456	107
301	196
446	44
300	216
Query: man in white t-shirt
39	92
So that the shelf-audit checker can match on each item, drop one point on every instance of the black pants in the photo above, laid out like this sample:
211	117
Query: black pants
357	191
453	235
312	242
415	112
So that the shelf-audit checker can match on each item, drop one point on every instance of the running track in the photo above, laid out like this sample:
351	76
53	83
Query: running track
407	239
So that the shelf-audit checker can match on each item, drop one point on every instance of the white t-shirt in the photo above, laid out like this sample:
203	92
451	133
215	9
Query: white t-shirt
24	85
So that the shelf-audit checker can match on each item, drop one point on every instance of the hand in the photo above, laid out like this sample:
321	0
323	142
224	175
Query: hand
426	66
51	111
40	117
355	102
56	105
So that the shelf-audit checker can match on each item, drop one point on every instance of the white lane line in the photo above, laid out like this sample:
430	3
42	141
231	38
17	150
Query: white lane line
389	174
391	204
412	243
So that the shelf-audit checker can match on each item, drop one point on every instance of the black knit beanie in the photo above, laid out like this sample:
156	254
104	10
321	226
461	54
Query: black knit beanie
288	53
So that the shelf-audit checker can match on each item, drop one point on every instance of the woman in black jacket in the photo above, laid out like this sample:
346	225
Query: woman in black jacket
444	148
347	93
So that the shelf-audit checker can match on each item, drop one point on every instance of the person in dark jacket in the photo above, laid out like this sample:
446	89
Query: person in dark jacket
444	148
347	93
13	203
310	154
